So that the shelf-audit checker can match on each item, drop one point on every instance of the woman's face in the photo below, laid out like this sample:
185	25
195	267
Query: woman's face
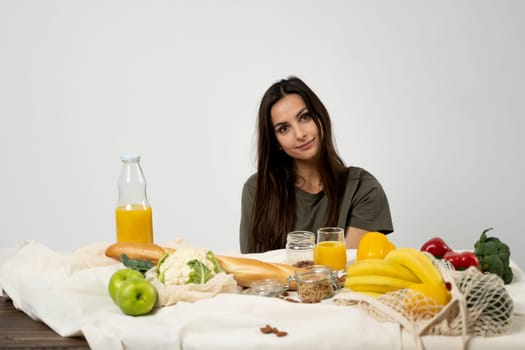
295	128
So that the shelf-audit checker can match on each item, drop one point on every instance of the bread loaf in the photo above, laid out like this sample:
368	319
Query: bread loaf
143	251
247	270
244	270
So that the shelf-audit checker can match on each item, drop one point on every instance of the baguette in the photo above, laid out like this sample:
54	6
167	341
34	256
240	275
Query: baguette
244	270
143	251
247	270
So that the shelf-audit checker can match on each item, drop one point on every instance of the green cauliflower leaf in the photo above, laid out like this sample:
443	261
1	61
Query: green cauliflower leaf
136	264
200	273
211	257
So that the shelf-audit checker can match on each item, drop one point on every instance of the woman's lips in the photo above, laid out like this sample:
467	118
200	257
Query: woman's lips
307	145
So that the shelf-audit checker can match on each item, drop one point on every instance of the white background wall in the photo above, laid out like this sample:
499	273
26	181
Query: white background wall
428	96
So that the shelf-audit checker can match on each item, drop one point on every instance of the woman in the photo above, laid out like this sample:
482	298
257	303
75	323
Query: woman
301	182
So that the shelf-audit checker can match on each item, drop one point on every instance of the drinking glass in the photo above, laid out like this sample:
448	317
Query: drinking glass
330	249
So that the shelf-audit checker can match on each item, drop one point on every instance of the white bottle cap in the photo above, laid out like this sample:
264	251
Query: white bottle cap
130	157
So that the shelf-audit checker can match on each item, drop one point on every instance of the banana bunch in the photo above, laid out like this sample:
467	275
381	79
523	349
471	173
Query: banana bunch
400	268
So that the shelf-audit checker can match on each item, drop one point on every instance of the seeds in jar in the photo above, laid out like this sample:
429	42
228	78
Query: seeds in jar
303	263
314	291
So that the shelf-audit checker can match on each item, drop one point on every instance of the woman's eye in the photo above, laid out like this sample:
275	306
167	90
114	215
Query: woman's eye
282	129
306	116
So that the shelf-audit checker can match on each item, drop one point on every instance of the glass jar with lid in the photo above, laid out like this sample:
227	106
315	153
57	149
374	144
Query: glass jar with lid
314	283
300	248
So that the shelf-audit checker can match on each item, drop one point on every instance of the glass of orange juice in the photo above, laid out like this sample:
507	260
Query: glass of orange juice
330	249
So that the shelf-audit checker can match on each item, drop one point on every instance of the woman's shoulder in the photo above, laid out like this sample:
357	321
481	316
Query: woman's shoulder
357	172
252	178
248	188
251	181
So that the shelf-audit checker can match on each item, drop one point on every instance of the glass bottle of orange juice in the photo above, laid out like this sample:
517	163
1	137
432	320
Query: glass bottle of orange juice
133	213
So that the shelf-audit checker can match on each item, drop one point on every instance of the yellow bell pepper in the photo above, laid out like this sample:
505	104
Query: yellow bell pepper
373	245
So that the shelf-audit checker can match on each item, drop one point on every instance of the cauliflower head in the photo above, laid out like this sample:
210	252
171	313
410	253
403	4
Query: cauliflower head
188	265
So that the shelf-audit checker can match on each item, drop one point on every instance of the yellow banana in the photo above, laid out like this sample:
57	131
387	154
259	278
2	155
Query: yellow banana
438	292
375	283
416	262
381	267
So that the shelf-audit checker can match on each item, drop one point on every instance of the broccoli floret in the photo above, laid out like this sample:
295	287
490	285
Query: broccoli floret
494	247
494	256
487	248
491	263
504	254
508	275
481	239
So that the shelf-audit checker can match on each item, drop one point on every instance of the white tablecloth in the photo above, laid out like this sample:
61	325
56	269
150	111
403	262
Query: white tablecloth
68	292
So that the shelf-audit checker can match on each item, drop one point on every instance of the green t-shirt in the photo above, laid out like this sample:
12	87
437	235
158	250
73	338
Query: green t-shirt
363	205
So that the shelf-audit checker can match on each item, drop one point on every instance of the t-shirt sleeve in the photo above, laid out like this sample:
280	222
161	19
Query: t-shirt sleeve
369	209
248	194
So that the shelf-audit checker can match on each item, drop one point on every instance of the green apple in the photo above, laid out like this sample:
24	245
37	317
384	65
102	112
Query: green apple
136	297
118	278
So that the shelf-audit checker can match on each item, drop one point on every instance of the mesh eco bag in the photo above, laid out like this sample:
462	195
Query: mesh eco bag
479	306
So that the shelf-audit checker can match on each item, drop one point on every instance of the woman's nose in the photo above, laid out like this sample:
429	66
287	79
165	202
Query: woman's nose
300	133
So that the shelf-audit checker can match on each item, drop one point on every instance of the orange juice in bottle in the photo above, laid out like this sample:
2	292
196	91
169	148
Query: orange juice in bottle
134	223
133	213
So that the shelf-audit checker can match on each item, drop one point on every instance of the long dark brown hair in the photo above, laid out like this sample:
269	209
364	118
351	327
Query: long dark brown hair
273	212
